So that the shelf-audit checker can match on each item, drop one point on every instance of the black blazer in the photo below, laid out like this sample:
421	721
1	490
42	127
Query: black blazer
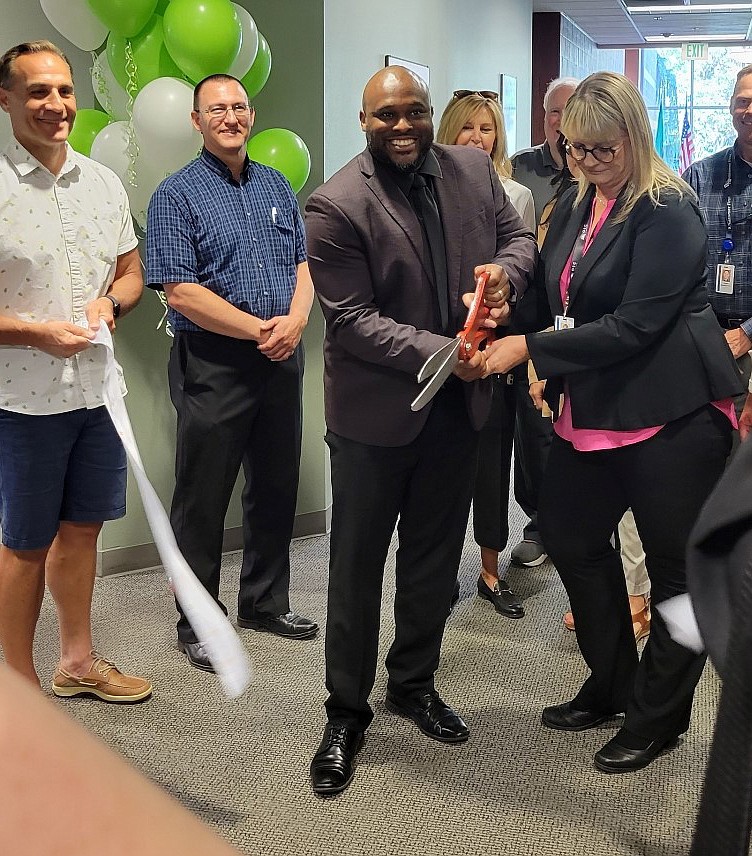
646	348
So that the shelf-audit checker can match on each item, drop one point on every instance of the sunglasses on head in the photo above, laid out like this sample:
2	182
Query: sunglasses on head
484	93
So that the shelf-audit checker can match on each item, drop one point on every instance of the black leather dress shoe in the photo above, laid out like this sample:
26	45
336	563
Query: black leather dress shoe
432	716
196	655
615	758
504	600
333	766
289	626
564	717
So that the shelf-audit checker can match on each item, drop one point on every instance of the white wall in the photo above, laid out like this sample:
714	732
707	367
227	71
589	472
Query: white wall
466	45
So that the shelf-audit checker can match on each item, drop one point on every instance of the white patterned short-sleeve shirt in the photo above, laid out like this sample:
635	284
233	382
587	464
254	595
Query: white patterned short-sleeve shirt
60	238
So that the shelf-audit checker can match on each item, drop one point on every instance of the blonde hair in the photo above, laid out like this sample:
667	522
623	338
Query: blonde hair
607	105
459	110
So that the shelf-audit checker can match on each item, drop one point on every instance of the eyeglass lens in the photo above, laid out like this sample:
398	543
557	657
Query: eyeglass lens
604	154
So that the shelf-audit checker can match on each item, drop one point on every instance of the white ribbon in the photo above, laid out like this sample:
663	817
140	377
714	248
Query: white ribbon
679	616
209	623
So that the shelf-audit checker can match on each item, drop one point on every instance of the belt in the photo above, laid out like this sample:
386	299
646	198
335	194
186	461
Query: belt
729	322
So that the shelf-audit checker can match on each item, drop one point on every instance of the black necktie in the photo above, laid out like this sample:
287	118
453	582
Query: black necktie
424	204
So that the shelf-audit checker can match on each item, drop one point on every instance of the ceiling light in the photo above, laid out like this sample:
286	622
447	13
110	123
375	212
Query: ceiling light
715	37
695	7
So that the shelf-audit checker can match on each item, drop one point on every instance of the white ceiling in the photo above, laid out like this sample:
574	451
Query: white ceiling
610	24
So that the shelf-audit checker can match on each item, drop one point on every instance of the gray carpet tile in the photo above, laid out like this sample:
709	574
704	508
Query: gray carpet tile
515	788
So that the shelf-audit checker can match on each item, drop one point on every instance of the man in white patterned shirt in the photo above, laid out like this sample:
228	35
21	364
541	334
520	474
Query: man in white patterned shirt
68	262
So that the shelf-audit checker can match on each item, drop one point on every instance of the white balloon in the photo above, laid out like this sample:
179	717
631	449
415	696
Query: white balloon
162	121
75	20
110	147
248	45
139	193
113	98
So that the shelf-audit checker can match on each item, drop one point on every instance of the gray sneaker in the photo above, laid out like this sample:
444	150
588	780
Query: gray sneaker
528	554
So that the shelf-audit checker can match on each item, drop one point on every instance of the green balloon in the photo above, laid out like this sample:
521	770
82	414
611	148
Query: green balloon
283	150
259	72
87	124
149	54
161	6
124	17
202	36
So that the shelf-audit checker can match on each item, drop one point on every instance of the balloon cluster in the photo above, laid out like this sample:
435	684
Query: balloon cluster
143	79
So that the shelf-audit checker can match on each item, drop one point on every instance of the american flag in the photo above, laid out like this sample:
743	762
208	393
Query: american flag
687	148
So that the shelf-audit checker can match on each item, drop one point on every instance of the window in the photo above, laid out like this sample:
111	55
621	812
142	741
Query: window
703	88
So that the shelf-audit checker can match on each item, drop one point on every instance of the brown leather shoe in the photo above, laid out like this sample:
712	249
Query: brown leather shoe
640	621
103	680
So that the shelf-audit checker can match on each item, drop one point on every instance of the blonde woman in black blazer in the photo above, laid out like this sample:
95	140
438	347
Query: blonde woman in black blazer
646	379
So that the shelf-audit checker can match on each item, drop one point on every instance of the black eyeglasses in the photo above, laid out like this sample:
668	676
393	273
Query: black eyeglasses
603	154
484	93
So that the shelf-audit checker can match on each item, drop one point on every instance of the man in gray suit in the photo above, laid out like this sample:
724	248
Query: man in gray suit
394	239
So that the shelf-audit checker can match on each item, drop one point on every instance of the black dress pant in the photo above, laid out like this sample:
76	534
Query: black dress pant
664	480
236	408
532	441
491	493
426	486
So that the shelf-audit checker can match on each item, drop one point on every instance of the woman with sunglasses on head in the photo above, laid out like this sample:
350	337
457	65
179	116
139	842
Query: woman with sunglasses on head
474	119
646	384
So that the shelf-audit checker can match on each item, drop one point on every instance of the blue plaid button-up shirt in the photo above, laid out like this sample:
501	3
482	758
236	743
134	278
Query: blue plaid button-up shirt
243	241
707	178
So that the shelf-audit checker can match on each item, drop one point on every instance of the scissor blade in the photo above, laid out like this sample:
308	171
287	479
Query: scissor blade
437	381
436	361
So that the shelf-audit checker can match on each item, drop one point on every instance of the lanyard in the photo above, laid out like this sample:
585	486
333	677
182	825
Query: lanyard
581	245
728	241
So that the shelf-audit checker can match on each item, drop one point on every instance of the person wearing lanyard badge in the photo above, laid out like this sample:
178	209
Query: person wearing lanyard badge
723	184
628	435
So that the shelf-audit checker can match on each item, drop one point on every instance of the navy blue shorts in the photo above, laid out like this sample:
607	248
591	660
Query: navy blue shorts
66	466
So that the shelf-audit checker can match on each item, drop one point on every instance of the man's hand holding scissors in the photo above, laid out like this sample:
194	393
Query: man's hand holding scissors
496	295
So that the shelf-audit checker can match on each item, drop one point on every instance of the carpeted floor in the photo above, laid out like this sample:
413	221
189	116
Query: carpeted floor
515	788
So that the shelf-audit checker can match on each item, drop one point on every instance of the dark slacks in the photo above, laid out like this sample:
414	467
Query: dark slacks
665	481
491	492
532	441
427	486
236	408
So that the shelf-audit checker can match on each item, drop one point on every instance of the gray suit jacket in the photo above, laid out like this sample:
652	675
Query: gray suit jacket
373	277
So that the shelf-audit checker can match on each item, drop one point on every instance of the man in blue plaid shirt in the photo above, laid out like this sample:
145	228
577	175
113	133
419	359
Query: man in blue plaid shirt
723	183
225	241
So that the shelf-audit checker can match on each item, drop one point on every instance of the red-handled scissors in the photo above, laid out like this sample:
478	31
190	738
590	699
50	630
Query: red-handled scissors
440	365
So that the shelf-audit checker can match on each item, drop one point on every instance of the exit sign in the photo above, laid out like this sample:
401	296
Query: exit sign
695	50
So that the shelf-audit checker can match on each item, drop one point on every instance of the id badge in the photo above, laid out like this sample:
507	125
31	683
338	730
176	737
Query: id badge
563	322
724	279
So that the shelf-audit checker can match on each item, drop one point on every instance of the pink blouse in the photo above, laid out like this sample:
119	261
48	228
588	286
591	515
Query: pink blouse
598	439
